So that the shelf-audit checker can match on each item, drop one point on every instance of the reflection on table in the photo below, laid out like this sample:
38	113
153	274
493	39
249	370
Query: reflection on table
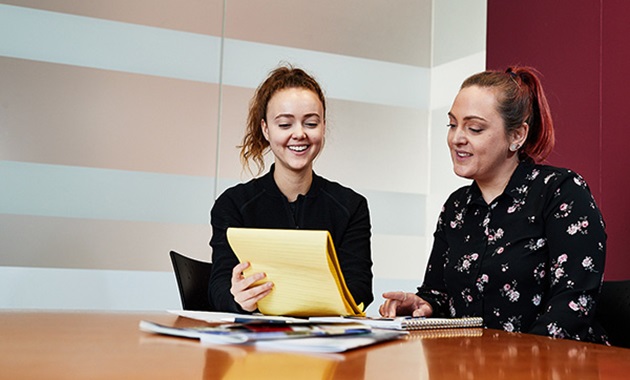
110	345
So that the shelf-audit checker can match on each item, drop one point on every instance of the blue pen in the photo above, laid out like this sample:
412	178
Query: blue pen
258	320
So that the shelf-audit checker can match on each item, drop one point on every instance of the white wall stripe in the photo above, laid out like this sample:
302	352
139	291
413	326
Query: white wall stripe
343	77
90	193
89	42
103	44
83	289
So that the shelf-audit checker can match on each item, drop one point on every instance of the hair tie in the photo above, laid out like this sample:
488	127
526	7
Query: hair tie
513	75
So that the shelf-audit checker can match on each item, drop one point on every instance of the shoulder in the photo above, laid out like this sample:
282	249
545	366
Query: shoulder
463	195
241	194
554	177
240	190
337	191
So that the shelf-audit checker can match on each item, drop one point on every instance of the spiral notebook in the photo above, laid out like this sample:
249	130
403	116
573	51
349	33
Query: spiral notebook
410	323
472	332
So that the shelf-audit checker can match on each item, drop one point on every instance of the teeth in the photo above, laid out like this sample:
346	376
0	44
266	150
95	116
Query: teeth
462	154
299	148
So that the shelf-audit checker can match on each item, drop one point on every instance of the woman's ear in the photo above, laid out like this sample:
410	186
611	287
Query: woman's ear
264	128
519	135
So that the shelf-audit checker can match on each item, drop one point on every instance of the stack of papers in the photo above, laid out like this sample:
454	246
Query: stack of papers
237	333
303	336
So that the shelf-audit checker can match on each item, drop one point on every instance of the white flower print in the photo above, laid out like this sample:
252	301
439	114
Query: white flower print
498	251
459	219
466	296
465	262
579	181
513	324
539	272
522	189
557	268
588	264
508	326
580	226
510	292
537	299
564	210
486	222
549	177
582	305
534	245
555	331
481	282
532	176
516	206
493	235
518	203
559	272
556	193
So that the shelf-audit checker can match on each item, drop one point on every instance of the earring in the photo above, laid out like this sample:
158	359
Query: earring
514	147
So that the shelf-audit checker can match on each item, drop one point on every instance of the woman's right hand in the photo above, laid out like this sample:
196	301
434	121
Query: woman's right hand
246	295
403	303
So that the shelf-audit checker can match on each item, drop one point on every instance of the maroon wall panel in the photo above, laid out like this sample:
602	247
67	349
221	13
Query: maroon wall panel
579	47
615	114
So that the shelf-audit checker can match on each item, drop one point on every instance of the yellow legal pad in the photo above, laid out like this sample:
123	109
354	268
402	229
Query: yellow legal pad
303	266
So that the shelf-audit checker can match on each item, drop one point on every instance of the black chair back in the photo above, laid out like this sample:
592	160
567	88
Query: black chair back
193	278
613	311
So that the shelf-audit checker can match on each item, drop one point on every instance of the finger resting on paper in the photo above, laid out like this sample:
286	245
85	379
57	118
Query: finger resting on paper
238	269
388	309
422	311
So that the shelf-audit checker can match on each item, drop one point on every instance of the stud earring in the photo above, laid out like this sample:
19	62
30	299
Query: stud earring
514	147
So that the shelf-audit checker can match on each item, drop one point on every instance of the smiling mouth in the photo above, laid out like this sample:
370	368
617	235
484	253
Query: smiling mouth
298	148
463	154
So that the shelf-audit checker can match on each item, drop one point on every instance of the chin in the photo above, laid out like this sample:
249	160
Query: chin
462	174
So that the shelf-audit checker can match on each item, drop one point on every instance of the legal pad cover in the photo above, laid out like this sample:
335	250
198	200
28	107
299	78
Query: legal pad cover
303	266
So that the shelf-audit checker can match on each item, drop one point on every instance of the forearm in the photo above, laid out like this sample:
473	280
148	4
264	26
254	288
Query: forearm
577	249
355	256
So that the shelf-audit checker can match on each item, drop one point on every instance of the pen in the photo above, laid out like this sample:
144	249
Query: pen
258	320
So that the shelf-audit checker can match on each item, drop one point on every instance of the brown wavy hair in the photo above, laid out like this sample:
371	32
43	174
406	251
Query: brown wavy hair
254	145
521	98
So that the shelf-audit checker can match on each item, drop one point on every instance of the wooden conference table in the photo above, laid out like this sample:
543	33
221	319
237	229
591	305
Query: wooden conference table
95	345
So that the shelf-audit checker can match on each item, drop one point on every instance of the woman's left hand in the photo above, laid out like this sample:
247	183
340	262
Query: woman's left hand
403	303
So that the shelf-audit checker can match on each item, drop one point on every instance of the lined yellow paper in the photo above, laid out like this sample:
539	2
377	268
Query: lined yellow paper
303	266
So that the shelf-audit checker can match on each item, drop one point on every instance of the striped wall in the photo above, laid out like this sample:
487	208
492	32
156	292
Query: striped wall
119	123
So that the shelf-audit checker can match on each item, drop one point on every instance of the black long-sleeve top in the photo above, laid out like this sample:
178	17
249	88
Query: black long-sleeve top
327	206
531	261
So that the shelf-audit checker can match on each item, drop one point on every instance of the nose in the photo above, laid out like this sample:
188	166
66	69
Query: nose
456	135
299	132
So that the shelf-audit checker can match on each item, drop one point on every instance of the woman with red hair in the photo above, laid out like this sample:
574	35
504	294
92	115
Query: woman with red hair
524	245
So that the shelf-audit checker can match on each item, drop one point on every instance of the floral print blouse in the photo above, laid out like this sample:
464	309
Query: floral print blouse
531	261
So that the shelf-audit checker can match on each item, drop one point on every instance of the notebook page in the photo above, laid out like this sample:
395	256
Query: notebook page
296	262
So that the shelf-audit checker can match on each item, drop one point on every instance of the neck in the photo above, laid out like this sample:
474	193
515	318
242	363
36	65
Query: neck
495	186
292	184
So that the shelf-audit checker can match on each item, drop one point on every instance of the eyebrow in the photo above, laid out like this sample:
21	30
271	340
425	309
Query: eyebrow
471	117
290	115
